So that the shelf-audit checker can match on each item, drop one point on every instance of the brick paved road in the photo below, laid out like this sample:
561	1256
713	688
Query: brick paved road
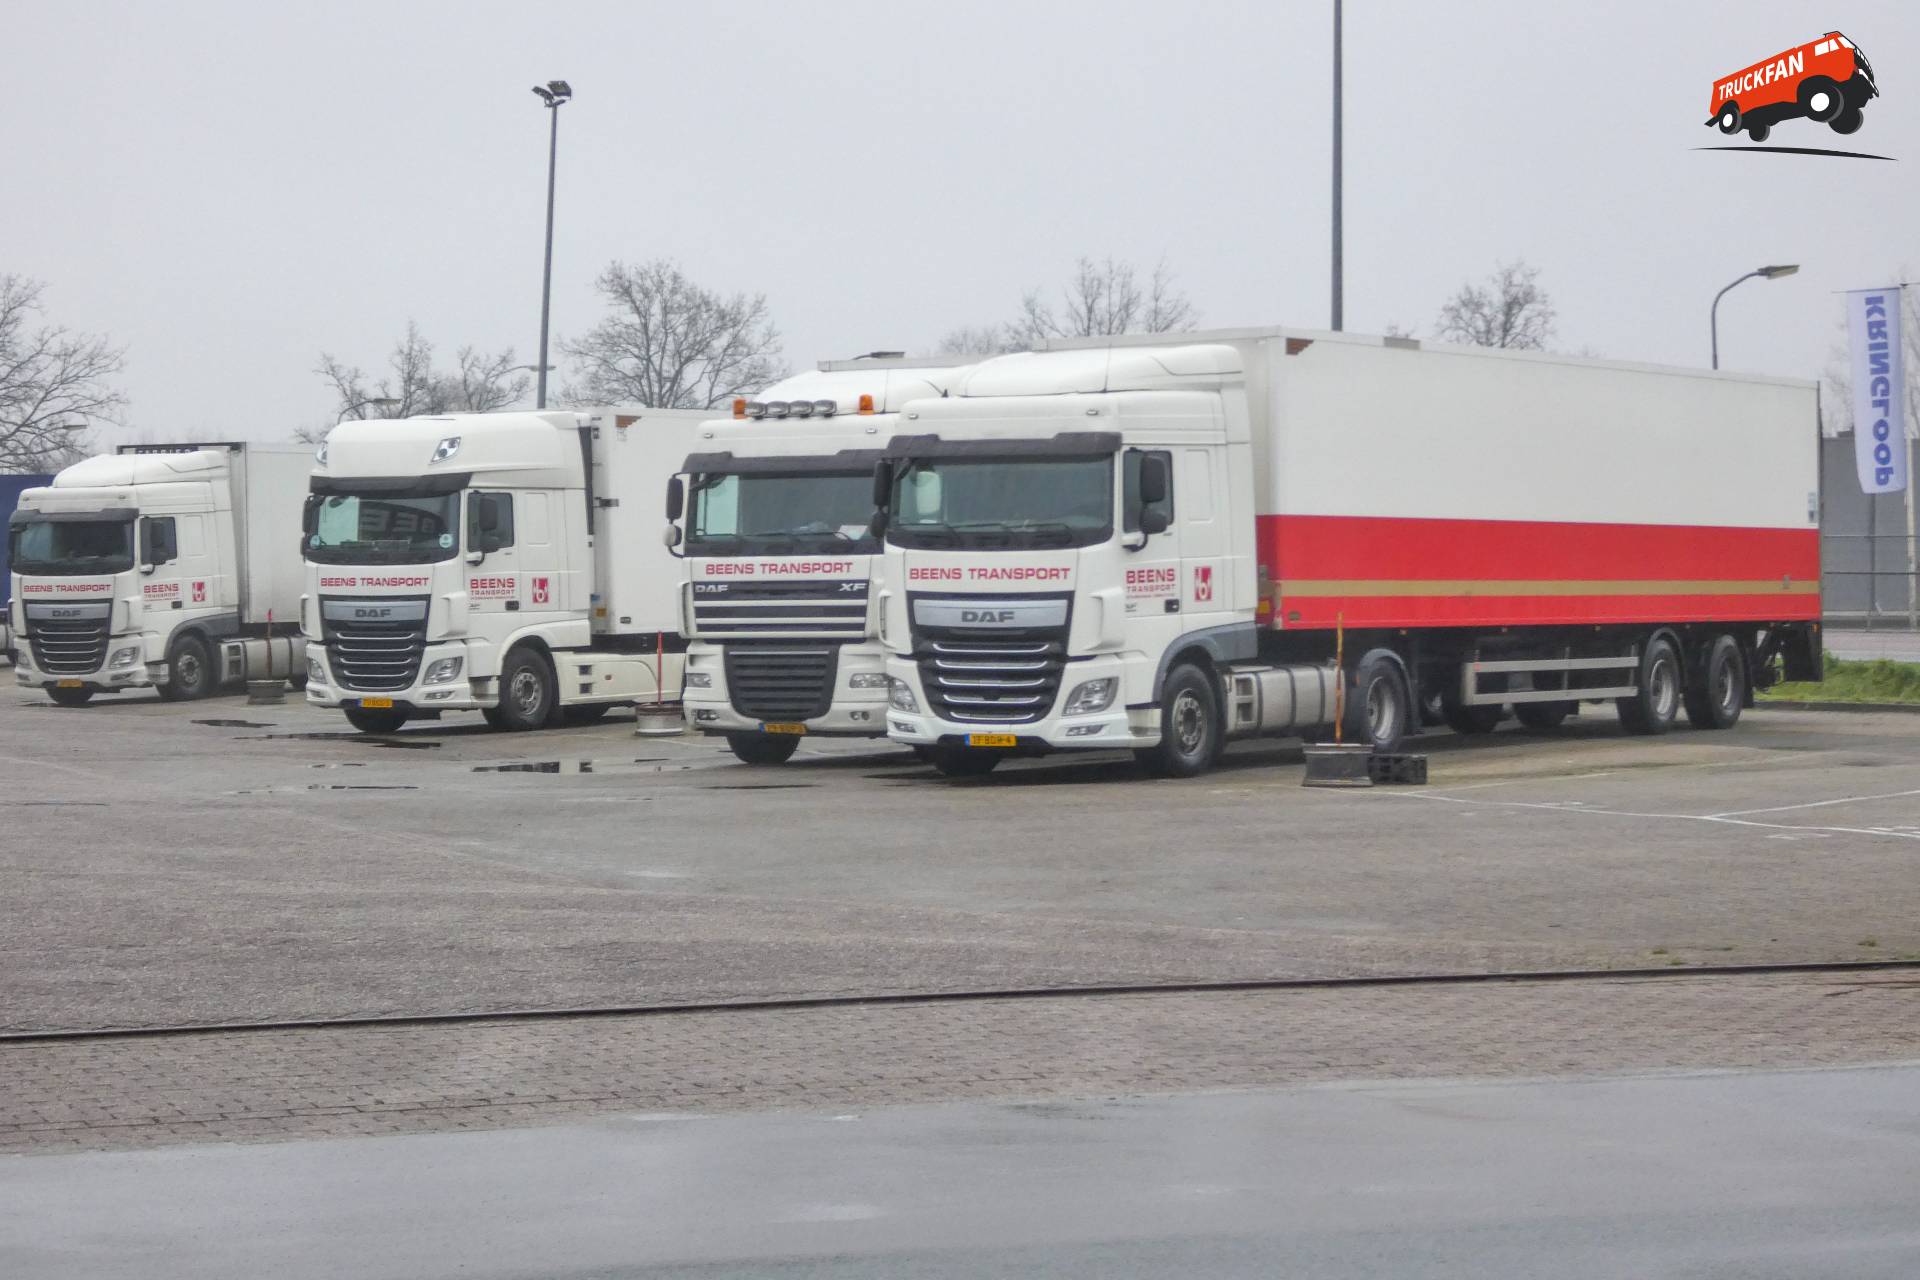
103	1094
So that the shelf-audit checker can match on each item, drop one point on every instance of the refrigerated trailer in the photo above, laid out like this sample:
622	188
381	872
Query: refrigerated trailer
506	563
175	567
1159	545
11	487
774	513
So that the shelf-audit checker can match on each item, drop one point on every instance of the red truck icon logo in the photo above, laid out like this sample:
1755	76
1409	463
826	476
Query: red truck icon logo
1826	80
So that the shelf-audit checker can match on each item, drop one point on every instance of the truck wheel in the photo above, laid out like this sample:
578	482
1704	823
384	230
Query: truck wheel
375	721
1715	698
71	697
1848	121
1821	99
1653	708
1729	118
1379	706
526	692
1758	131
189	670
1466	718
1190	731
1541	715
965	762
763	748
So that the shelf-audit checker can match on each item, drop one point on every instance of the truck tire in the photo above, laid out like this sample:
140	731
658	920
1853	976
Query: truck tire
1466	719
1380	708
1653	708
1191	735
965	762
190	674
1729	118
70	697
763	748
375	721
1717	688
1821	98
526	692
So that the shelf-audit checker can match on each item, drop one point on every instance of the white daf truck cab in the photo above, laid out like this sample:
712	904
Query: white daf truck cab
172	567
773	515
505	563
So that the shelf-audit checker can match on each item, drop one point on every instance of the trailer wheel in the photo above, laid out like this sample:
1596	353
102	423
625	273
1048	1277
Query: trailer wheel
1718	692
1380	707
375	721
1848	121
1758	131
1821	99
189	670
70	697
1729	118
526	692
1467	719
1653	708
763	748
1190	729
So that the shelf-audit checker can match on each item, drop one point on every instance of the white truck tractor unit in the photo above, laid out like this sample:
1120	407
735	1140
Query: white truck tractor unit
173	567
1158	545
773	516
505	563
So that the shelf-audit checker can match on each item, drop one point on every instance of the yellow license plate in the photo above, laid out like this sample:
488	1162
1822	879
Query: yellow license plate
783	728
992	740
377	704
71	684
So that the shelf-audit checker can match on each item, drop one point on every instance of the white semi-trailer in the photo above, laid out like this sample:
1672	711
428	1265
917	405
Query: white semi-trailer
1159	545
175	567
506	563
774	513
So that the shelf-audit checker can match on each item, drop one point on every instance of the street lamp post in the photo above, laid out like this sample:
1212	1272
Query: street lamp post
555	94
1339	247
1765	273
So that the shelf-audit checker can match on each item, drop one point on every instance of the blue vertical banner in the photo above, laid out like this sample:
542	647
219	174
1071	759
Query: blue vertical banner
1879	389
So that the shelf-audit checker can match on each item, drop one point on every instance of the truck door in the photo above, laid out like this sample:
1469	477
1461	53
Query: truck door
1153	573
494	585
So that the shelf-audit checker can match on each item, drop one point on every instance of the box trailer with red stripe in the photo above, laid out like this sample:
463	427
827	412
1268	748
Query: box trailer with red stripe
1159	545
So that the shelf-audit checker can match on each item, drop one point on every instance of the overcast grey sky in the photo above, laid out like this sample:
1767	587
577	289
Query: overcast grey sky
229	188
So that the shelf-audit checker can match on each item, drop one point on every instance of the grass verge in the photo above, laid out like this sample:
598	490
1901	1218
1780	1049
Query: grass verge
1875	681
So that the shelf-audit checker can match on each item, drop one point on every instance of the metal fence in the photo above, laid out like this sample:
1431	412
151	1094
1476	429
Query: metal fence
1867	557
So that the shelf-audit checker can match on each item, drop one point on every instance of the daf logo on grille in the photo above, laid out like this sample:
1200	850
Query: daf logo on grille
373	613
993	616
63	613
704	588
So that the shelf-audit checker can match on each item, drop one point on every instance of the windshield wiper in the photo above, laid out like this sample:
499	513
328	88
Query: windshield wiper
933	528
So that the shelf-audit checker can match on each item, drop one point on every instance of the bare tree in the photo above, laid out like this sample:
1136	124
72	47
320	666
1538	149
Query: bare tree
52	381
1512	310
669	343
479	383
1105	297
978	340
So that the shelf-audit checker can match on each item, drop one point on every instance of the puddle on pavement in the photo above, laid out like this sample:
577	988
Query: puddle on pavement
234	724
396	744
639	764
340	764
321	786
759	786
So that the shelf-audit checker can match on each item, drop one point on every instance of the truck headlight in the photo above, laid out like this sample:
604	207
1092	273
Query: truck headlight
1090	696
443	670
125	658
902	696
868	680
315	671
699	679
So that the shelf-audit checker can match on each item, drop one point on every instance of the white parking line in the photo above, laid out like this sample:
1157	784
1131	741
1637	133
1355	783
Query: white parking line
1815	804
1723	819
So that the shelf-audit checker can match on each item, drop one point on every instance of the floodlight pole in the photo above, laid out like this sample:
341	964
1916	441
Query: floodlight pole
1339	249
555	94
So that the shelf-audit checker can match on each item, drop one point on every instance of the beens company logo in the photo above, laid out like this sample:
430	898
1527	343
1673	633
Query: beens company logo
1825	81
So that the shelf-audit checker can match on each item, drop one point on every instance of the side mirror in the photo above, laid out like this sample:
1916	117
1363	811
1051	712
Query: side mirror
670	534
1153	483
882	484
1153	521
878	525
676	499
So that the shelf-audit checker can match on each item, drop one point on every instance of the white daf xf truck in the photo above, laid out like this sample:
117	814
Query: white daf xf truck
773	515
1157	545
505	563
172	567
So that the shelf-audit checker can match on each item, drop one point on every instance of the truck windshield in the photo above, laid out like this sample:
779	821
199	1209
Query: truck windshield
381	528
72	546
1003	503
735	515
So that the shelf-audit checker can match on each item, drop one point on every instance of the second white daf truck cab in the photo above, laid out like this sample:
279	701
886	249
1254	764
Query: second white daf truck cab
171	567
774	517
506	563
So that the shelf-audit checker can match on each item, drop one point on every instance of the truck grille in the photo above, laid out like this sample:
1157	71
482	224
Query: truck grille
991	681
68	647
724	611
374	655
781	680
